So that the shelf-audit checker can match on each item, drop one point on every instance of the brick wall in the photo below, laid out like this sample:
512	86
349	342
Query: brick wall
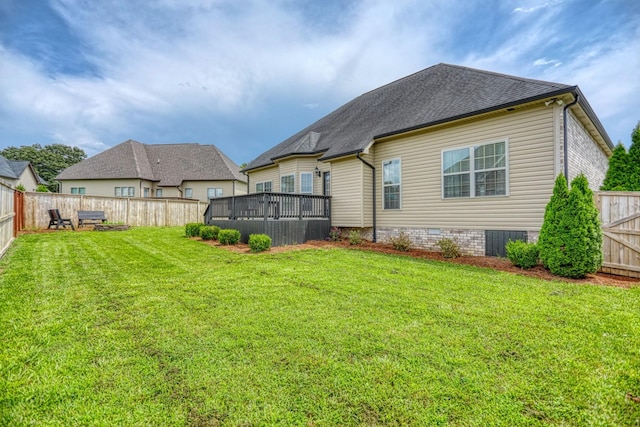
585	155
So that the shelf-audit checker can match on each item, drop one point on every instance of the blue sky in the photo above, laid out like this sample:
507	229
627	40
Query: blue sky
245	75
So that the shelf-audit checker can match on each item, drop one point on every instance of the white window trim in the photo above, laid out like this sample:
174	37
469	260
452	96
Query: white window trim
472	171
264	183
399	183
294	182
311	176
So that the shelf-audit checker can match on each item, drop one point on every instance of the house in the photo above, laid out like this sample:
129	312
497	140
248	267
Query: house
447	152
133	169
19	173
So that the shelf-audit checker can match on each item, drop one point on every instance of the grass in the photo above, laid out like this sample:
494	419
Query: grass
146	327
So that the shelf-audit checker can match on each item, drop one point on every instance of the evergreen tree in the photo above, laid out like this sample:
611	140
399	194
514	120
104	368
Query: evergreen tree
634	160
617	178
548	241
579	239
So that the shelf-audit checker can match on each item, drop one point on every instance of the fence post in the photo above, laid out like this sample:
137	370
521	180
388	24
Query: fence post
265	206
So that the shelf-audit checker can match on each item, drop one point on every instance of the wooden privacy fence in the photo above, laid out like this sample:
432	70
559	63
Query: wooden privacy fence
132	211
7	215
620	218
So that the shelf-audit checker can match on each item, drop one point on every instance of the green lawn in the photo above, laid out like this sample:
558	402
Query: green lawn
146	327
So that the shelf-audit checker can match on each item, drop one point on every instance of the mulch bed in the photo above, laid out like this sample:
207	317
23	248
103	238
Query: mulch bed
494	263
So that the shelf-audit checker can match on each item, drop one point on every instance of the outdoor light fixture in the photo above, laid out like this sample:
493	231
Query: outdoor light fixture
317	171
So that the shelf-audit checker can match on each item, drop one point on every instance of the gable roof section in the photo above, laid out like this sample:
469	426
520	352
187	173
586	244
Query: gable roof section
435	95
167	164
13	169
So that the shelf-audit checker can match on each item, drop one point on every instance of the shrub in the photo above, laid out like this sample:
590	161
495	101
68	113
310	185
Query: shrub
41	188
259	242
354	237
549	241
522	254
228	236
192	229
575	246
449	248
209	232
334	235
20	187
401	242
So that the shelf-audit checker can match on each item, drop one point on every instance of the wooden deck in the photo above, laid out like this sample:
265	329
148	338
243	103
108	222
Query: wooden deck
287	218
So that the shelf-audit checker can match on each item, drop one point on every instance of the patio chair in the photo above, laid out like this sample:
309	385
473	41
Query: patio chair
56	219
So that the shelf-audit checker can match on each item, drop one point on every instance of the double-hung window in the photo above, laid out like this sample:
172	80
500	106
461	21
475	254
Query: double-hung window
125	191
391	170
288	184
478	171
263	187
306	182
212	193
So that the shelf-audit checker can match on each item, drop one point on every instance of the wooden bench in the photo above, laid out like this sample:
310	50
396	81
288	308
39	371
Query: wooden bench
91	217
56	219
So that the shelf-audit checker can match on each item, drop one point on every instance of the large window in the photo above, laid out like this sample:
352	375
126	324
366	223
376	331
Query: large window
212	193
306	182
288	184
263	187
478	171
391	184
125	191
78	190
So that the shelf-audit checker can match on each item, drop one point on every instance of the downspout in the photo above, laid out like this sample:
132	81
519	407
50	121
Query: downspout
564	137
373	170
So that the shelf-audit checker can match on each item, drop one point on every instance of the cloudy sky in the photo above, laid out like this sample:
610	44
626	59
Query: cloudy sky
245	75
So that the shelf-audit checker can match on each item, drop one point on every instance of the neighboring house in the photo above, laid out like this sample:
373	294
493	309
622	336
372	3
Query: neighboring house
17	172
133	169
447	152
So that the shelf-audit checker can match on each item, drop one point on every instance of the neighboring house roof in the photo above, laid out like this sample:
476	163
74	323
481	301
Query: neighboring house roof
438	94
13	169
167	164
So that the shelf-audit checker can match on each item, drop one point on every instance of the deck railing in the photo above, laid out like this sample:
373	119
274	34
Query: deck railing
269	206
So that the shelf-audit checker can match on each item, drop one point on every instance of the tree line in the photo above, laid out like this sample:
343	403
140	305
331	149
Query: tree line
624	167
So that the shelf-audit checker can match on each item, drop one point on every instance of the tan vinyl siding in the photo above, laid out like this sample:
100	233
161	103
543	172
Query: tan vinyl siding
269	174
103	187
27	180
367	190
200	188
347	193
530	141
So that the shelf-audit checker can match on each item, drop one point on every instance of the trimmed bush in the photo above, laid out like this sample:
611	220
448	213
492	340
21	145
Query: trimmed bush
549	242
522	254
401	242
209	232
572	246
192	229
449	248
354	237
228	236
259	242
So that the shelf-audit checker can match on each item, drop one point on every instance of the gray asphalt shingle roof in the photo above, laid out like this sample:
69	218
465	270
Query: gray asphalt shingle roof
13	169
434	95
167	164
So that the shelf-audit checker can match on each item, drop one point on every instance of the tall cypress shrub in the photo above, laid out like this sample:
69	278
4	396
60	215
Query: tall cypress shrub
579	239
617	177
634	160
548	242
